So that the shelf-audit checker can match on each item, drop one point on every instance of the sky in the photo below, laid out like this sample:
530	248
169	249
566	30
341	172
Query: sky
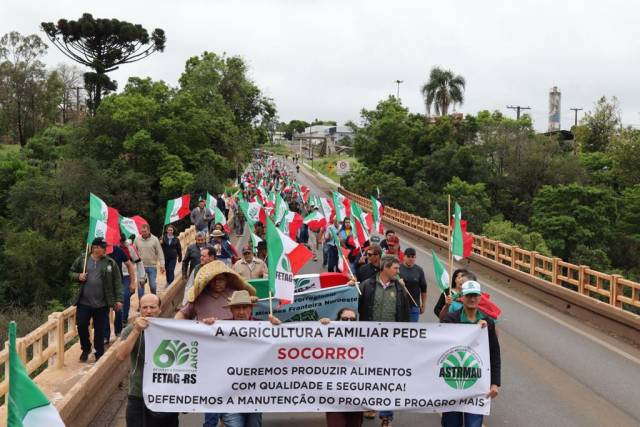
329	59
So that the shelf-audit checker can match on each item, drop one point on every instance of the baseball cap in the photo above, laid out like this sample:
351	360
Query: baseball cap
471	287
99	241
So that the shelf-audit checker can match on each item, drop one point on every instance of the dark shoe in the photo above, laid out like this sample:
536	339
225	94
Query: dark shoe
84	356
98	358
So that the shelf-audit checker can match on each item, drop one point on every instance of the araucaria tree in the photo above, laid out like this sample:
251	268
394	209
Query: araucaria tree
443	90
103	45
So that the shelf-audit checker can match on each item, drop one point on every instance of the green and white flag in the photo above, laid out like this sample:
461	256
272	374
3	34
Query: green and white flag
255	239
103	221
211	202
177	209
442	276
28	405
457	240
285	258
281	209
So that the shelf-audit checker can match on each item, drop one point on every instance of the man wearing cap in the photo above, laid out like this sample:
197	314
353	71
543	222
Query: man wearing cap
413	277
470	314
393	247
250	267
223	249
100	288
201	215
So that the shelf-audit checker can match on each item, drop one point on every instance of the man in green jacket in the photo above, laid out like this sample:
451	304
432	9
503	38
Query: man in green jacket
100	288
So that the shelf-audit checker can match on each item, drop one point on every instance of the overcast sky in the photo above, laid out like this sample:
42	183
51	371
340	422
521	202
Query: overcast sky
329	59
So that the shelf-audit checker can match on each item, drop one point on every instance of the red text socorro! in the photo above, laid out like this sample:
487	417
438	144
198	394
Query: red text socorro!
334	353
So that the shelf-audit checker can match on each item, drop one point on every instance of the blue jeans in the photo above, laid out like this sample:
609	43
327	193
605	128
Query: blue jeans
388	414
414	314
152	272
455	419
233	420
170	269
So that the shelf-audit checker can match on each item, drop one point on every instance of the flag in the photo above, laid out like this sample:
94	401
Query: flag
442	277
290	224
359	223
315	220
281	209
377	211
343	253
211	202
28	405
378	192
253	212
285	258
219	218
303	282
104	221
341	205
327	208
131	226
177	209
458	237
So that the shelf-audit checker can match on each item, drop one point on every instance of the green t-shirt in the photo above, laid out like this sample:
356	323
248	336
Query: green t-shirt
137	363
465	319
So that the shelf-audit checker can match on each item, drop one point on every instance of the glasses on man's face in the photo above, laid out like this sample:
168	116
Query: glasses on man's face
347	319
372	254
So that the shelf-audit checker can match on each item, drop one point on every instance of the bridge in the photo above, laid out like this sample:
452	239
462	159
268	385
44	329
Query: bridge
570	339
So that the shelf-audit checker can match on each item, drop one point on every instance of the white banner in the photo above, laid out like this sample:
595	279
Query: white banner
253	366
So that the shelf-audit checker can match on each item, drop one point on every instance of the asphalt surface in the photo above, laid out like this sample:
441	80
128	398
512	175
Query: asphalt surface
556	370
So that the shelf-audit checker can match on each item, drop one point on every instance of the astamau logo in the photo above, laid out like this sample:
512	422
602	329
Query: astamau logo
460	368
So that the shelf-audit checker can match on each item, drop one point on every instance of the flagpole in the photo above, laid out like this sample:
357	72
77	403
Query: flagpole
270	304
346	262
86	255
450	235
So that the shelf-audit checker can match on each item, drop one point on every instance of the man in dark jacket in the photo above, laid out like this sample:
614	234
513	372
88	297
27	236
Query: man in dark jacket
469	313
372	266
192	256
100	288
384	299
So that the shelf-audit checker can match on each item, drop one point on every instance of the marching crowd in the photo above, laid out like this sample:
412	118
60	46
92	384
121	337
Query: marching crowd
392	287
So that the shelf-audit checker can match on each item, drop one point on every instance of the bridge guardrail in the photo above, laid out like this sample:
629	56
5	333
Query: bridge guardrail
610	289
48	343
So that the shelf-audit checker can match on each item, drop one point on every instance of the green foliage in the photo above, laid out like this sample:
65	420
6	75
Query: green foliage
515	234
597	127
473	200
103	45
442	90
625	155
571	215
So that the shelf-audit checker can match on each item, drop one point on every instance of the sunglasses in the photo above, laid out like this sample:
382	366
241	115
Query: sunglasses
372	254
347	319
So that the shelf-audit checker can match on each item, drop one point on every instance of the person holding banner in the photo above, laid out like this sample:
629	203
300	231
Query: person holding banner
384	299
469	313
343	419
132	345
447	302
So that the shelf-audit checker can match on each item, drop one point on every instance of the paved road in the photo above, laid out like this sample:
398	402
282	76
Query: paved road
556	371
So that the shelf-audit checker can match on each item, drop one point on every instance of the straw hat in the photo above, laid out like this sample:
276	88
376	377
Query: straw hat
239	298
217	233
209	271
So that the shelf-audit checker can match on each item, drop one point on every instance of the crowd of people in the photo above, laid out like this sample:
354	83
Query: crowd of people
392	286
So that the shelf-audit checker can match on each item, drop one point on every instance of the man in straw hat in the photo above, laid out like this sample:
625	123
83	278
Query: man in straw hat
241	307
213	286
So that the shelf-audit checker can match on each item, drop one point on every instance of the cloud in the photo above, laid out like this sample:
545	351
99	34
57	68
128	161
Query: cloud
329	59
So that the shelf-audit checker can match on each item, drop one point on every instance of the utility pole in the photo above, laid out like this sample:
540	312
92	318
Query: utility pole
518	108
398	91
575	110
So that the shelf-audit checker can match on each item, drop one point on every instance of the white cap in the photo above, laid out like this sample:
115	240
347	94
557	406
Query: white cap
471	287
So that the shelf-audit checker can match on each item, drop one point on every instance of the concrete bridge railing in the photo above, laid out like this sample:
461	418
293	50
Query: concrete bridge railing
610	295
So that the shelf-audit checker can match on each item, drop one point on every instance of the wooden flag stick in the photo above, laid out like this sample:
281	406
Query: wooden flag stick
346	262
270	304
450	234
86	256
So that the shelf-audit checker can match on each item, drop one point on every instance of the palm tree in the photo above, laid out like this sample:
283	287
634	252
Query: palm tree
442	90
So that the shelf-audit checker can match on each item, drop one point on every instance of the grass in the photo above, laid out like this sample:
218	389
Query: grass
327	165
278	149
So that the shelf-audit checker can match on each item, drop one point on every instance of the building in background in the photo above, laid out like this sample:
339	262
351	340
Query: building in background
554	110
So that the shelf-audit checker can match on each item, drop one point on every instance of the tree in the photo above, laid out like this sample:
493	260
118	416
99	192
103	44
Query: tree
597	127
29	96
473	200
515	234
572	215
71	77
624	151
102	45
294	126
443	90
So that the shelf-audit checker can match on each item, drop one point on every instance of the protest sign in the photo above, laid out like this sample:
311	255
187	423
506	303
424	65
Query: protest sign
310	305
253	366
303	282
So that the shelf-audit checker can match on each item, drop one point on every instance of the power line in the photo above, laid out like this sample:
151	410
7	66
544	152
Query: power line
518	108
